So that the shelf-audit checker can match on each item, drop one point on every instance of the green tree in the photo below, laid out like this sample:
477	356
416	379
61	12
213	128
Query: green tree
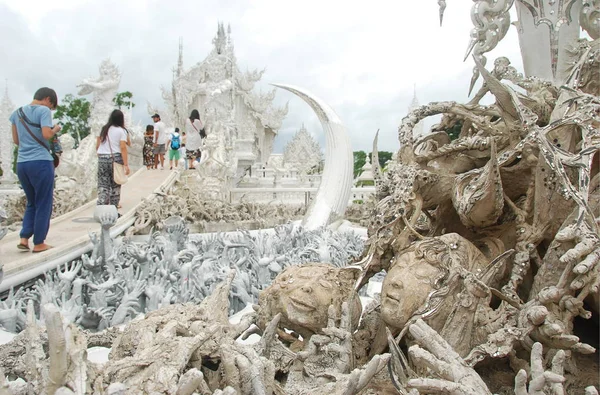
384	157
123	99
360	158
74	114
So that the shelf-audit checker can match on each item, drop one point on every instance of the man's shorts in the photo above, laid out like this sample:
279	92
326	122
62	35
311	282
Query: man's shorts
174	154
159	149
191	155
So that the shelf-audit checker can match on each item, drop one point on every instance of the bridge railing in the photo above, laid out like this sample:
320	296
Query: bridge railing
290	195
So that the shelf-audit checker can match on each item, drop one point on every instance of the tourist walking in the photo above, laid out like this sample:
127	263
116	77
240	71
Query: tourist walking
160	141
193	129
111	146
148	150
174	144
31	130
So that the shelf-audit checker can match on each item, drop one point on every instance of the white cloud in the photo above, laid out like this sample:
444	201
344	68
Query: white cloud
362	58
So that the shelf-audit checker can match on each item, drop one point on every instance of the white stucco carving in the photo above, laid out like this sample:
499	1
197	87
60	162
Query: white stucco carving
548	32
333	194
6	142
303	152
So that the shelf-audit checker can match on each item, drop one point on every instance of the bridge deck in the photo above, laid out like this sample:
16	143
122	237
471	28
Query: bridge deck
69	232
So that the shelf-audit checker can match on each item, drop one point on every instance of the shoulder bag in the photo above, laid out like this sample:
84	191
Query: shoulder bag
26	121
118	169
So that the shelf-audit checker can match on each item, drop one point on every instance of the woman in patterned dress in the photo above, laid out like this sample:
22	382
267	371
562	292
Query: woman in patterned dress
111	146
148	146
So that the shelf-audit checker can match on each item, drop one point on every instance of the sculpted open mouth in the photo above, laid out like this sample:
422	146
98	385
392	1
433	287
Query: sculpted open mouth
301	304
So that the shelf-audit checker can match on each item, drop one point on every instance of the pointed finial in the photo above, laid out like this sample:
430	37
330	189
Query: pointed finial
442	5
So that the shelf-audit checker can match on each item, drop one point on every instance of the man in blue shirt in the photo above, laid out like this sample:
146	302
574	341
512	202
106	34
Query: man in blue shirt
31	130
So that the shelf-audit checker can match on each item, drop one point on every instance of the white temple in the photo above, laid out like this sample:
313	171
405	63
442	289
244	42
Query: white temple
227	104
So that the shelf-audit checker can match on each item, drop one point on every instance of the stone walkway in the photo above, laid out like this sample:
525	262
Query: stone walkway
69	233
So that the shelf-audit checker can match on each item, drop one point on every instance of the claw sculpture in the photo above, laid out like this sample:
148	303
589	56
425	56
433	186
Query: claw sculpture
478	195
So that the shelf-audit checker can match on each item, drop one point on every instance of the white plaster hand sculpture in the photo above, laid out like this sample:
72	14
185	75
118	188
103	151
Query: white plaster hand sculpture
12	317
70	309
92	318
155	291
129	305
69	274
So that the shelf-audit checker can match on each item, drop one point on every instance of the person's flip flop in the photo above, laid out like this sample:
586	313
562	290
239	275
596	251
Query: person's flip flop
46	249
22	247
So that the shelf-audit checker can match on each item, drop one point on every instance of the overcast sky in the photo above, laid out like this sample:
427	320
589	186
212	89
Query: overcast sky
363	58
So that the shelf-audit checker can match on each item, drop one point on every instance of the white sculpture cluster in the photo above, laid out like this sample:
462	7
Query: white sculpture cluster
6	142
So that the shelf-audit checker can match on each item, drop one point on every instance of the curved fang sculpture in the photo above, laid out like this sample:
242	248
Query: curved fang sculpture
333	194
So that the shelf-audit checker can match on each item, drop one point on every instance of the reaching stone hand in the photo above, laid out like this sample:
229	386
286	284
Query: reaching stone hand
12	316
332	352
129	305
539	377
70	272
433	352
584	256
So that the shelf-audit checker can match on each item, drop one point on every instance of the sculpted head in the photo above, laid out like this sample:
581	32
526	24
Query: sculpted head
108	70
303	295
67	142
419	278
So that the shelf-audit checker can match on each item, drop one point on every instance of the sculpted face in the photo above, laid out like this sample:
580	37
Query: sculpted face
405	288
422	269
303	295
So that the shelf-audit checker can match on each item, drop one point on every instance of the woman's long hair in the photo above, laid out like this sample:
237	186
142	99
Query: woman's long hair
116	119
194	115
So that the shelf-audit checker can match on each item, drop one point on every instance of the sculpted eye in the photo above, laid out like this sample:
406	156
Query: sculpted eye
325	284
423	271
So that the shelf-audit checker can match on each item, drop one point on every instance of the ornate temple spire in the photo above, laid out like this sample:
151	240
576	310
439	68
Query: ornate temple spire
418	129
6	142
220	41
180	59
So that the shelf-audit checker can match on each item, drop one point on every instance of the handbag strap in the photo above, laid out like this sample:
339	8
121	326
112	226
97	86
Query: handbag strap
22	118
194	126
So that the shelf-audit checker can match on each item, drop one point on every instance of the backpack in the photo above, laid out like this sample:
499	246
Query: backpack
175	142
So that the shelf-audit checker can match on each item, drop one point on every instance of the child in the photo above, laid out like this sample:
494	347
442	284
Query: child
174	145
